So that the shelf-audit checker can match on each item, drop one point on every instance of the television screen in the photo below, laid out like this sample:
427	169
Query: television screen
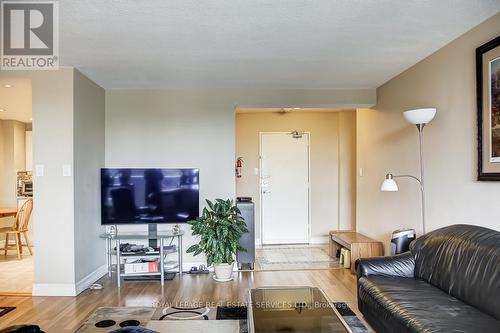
141	196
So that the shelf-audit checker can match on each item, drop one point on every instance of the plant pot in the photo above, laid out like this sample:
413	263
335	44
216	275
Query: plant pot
223	271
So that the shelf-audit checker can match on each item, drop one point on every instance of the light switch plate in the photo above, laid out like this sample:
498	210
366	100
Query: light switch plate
66	170
256	171
39	170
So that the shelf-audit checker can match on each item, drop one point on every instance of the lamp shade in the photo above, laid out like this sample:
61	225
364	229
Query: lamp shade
389	184
419	116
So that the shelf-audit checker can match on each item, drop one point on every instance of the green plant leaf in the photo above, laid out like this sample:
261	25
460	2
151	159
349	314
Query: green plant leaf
193	248
220	227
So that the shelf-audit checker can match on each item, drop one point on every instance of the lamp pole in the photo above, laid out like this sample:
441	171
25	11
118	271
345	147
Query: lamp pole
422	192
420	128
418	117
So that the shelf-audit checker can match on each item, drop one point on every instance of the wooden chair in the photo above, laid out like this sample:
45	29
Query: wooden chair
23	218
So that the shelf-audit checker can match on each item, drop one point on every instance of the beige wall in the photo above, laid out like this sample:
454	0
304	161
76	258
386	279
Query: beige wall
196	128
13	156
2	162
7	190
445	80
173	129
53	212
12	159
347	171
88	124
19	147
329	141
56	135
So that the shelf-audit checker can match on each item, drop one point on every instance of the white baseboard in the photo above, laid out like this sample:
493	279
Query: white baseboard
312	240
54	289
69	289
91	278
319	240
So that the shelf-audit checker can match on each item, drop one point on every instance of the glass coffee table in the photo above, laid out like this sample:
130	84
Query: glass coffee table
292	309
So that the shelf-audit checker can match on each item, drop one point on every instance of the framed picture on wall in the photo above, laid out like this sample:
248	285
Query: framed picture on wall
488	110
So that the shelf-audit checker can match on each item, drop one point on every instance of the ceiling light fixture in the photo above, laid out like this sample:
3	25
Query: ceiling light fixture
2	110
7	85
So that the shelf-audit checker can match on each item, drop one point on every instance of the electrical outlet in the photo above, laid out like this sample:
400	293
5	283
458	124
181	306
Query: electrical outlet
66	170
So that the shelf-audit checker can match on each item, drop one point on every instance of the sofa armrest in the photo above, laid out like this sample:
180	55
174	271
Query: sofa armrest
402	265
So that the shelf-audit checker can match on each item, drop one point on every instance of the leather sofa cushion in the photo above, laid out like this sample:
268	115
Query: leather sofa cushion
463	261
422	307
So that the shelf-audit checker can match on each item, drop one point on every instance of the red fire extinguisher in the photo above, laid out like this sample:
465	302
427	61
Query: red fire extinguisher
239	164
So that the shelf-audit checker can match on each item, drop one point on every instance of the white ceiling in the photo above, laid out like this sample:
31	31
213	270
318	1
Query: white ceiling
16	100
258	43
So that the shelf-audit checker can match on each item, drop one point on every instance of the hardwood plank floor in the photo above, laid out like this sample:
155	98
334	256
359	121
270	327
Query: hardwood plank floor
16	274
66	314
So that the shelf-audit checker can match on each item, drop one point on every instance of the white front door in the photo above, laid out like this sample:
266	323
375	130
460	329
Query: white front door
284	185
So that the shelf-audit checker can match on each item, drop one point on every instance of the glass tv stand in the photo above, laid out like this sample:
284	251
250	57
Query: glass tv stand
120	238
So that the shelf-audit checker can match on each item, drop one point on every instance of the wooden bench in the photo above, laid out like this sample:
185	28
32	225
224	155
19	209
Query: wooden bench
360	245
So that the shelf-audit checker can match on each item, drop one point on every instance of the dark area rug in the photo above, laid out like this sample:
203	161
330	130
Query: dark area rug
5	309
231	313
240	312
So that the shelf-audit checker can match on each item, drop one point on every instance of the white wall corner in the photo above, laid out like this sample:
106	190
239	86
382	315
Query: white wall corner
54	289
91	278
68	289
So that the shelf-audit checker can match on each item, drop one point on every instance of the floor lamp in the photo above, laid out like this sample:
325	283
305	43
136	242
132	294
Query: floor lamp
420	118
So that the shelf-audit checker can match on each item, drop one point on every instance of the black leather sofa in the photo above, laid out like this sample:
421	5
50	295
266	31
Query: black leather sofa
449	281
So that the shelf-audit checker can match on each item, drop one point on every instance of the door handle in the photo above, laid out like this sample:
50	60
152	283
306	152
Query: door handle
266	192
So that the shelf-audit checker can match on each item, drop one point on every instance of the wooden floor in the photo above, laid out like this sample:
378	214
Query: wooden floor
66	314
16	275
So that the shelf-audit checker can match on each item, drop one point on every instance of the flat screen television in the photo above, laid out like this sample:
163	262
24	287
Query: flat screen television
144	196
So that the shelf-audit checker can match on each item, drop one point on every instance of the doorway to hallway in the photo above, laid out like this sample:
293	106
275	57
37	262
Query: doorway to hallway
298	166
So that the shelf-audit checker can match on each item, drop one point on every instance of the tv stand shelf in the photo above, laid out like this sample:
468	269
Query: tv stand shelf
141	274
122	237
142	255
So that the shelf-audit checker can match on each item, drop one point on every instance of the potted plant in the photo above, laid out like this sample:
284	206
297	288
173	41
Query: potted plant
220	228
